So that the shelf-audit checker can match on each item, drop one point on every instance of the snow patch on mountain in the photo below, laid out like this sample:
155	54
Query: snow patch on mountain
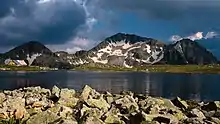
31	58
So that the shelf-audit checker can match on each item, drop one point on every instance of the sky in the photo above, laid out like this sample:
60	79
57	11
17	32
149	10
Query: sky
72	25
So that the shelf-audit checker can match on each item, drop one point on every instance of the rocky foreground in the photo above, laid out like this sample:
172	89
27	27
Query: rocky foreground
36	105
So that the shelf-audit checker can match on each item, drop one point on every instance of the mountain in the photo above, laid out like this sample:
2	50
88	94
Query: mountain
34	53
130	50
28	51
124	50
188	52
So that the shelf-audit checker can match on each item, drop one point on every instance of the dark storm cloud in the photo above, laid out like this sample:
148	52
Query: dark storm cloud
51	22
190	15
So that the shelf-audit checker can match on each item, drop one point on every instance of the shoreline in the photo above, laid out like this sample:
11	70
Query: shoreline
187	69
67	106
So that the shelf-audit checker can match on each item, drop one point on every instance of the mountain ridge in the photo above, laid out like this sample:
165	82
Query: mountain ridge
126	50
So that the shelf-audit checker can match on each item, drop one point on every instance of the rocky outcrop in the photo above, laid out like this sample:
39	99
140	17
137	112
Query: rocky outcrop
187	51
36	105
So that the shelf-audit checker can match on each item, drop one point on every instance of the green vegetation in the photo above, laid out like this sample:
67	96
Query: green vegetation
147	68
23	68
11	121
156	68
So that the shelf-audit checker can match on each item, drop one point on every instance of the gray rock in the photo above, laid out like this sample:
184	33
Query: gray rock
69	102
45	117
67	93
194	121
67	121
88	91
113	119
56	91
211	106
128	102
94	120
86	112
2	98
98	103
180	103
197	113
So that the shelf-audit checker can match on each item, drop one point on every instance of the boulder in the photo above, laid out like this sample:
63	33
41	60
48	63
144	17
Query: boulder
113	119
160	118
67	121
56	91
194	121
211	106
94	120
180	103
45	117
15	103
19	113
127	102
90	112
197	113
68	102
88	91
67	93
30	100
98	103
2	98
65	112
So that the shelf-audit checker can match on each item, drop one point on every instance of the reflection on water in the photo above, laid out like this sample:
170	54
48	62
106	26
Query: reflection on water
187	86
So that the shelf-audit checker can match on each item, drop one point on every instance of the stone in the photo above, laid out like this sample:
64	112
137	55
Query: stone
194	121
88	91
67	121
38	104
197	113
180	103
160	118
2	98
67	93
15	103
127	93
45	117
215	120
90	112
33	111
98	103
69	102
65	111
113	119
56	91
208	113
3	116
19	113
31	100
128	102
94	120
109	99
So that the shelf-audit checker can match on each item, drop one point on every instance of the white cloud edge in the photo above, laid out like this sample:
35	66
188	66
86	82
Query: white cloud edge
196	36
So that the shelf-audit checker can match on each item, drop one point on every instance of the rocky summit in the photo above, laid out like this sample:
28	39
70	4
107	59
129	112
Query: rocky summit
123	50
36	105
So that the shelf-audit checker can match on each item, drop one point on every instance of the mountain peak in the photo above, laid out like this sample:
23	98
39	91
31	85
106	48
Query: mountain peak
131	38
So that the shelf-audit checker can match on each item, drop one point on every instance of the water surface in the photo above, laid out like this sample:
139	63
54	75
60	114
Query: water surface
187	86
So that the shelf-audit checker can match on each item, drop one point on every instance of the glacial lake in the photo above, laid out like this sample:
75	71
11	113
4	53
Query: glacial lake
187	86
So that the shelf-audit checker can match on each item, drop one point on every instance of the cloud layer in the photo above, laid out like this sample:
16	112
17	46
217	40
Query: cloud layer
49	21
59	23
